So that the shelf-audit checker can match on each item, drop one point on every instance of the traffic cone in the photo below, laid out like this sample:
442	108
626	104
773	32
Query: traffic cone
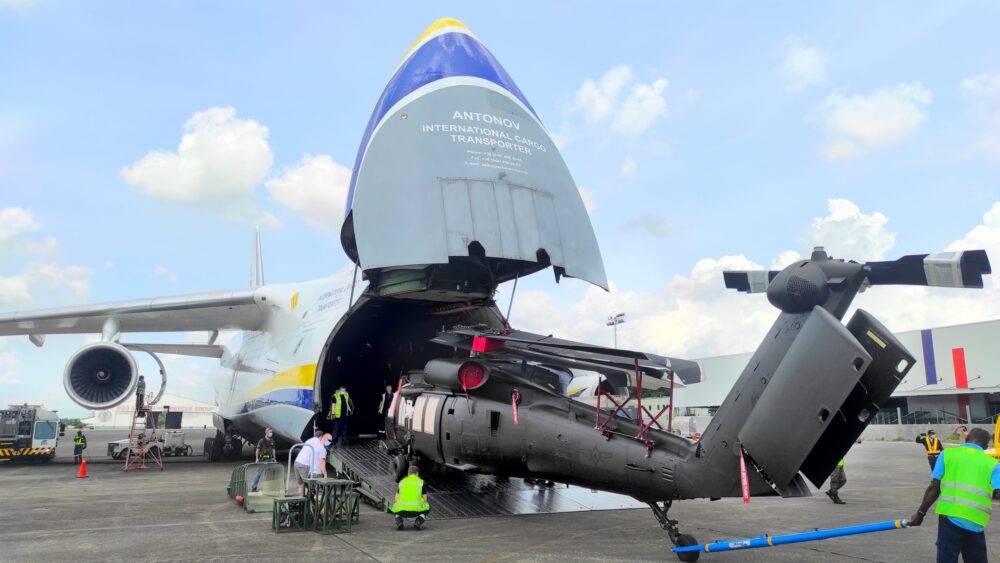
82	472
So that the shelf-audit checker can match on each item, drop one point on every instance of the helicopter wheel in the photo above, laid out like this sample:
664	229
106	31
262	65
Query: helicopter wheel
684	540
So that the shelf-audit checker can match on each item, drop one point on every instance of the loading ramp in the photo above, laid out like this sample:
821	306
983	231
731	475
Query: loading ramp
463	495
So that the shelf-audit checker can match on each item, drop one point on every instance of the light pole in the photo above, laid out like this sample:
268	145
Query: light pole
614	321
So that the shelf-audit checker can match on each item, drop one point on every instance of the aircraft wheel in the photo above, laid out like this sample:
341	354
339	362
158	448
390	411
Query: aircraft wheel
684	540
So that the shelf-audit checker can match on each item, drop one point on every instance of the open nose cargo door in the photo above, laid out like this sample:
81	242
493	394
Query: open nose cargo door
456	167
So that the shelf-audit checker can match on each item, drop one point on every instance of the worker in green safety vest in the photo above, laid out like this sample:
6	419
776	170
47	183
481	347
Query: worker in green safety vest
837	480
79	444
410	500
962	483
341	407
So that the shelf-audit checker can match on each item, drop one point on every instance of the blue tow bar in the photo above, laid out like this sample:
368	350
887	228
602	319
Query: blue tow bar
771	541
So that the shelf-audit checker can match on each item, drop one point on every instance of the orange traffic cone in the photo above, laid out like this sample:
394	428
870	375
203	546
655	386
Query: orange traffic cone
82	472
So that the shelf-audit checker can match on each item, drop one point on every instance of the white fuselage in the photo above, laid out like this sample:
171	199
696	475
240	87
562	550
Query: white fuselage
269	380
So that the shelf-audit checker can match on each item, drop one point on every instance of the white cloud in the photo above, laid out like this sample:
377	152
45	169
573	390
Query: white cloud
17	225
14	291
846	232
588	199
598	98
219	161
694	316
651	226
48	279
162	272
857	125
638	111
629	168
641	109
804	65
985	92
8	369
316	188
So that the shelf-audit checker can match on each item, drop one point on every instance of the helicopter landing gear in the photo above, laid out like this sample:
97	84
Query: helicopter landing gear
673	531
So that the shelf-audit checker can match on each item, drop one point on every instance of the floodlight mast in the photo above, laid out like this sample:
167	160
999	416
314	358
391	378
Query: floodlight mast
613	322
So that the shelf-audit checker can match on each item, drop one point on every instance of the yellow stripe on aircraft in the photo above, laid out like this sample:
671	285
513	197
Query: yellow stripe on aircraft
303	377
434	27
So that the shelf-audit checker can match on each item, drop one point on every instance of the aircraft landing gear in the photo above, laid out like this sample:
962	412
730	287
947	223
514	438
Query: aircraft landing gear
673	531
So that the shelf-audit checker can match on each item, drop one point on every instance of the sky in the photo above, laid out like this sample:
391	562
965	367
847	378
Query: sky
140	143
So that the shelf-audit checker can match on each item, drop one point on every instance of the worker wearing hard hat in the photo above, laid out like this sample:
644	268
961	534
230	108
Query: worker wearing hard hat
410	500
962	483
932	444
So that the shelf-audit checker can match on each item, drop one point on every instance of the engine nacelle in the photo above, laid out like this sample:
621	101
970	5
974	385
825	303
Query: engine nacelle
101	375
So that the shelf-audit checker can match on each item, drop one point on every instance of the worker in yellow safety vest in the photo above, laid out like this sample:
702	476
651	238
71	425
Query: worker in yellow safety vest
932	444
837	480
79	444
962	483
410	500
341	407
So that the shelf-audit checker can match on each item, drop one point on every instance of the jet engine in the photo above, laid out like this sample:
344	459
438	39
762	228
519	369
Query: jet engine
101	375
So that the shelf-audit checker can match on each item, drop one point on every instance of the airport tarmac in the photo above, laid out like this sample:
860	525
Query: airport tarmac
183	513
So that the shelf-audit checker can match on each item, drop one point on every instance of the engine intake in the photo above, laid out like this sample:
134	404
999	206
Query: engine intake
101	375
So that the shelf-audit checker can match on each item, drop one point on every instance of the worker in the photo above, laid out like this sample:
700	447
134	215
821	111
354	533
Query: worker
341	407
140	393
962	483
961	432
837	480
311	461
79	444
410	500
931	444
384	404
264	453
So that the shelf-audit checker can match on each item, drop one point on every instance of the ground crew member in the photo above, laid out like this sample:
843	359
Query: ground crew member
410	500
341	407
79	444
932	445
140	393
837	480
962	483
384	404
264	453
311	461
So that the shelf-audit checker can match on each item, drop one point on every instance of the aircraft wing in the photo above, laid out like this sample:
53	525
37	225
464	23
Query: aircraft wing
193	312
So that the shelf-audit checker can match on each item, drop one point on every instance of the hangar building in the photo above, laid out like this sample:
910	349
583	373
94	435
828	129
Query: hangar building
956	377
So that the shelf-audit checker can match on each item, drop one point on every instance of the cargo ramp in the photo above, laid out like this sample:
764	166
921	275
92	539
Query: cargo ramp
464	495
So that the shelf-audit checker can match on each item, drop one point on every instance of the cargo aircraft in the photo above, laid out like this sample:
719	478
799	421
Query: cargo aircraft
456	188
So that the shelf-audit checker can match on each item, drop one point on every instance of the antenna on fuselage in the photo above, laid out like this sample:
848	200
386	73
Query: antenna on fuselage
257	273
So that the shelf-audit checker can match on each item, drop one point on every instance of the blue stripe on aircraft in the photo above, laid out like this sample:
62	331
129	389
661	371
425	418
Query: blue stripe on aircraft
930	369
447	55
302	398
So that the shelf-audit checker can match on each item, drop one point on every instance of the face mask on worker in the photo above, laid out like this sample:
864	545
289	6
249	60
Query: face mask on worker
326	443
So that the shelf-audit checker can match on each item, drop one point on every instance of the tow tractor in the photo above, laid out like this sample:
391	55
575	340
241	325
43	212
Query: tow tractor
28	433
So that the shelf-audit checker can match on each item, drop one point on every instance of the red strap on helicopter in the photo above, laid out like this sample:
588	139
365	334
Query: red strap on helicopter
744	480
515	398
